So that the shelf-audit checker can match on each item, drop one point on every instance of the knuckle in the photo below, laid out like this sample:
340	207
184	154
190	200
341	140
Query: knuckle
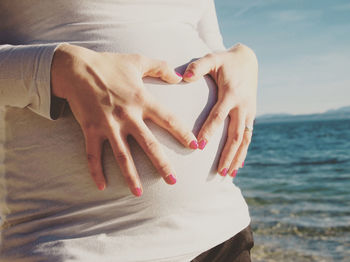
236	137
92	159
219	115
228	89
158	73
194	66
161	67
247	140
163	167
151	145
121	158
121	113
139	96
94	175
170	122
89	127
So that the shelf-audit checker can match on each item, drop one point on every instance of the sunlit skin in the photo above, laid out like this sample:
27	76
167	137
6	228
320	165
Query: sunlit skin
106	95
235	72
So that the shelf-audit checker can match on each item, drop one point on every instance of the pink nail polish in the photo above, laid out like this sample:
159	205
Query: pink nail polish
243	164
178	74
202	144
101	186
188	74
194	144
171	179
234	173
224	172
138	191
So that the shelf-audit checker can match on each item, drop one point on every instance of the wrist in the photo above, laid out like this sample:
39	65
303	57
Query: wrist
56	70
61	68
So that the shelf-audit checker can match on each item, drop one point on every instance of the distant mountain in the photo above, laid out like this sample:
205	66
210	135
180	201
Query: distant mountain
340	113
270	116
344	109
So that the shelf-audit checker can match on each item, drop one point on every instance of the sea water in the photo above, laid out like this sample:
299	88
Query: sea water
296	181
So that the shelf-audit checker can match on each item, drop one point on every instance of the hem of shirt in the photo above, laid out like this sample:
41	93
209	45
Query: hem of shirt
192	255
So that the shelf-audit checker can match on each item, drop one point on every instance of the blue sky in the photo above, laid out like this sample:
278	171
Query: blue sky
303	48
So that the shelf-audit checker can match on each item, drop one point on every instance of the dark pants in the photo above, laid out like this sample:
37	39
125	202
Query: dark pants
236	249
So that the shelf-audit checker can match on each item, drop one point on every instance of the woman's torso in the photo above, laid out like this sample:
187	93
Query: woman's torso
50	204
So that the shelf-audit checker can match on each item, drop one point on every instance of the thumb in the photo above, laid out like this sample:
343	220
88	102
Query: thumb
201	67
162	70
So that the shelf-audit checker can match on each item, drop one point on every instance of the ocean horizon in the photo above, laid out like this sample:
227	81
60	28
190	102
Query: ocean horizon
296	181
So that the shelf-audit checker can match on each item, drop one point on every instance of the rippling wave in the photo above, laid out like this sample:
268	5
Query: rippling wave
297	184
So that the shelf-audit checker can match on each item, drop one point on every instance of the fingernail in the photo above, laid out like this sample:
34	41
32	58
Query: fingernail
138	191
188	74
243	164
171	179
178	74
194	144
224	172
101	186
202	144
234	173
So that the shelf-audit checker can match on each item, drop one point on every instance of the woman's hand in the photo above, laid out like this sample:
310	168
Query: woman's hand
235	72
106	95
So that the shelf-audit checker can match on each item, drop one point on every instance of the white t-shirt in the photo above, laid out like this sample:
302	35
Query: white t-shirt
50	207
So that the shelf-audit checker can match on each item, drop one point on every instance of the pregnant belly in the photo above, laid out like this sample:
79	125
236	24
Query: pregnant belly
46	161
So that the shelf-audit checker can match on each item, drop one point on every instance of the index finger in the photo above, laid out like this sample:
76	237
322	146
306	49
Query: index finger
216	117
202	66
93	144
160	69
162	117
152	148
